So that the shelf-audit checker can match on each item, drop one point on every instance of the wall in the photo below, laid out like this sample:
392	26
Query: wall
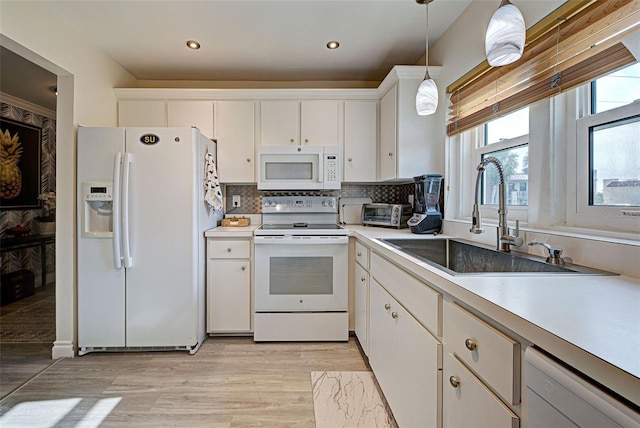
86	78
30	258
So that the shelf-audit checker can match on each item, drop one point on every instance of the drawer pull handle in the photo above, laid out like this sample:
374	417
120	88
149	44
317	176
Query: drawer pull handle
228	250
387	306
454	381
363	279
394	315
471	344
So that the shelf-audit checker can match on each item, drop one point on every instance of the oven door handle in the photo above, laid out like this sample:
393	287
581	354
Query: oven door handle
300	240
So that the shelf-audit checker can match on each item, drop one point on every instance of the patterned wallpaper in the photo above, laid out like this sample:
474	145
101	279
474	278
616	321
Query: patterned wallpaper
29	258
251	197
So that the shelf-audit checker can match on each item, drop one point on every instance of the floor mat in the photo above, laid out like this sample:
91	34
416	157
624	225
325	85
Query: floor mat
348	399
33	323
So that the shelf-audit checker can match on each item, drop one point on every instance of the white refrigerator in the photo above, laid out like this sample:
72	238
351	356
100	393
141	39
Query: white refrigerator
141	246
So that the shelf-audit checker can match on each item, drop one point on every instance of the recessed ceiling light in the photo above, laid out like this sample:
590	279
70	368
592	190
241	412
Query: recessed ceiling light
192	44
333	44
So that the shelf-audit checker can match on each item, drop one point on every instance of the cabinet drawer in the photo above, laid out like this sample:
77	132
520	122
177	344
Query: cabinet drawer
362	255
228	249
490	354
423	302
466	402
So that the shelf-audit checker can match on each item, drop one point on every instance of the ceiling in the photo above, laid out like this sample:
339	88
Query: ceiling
265	40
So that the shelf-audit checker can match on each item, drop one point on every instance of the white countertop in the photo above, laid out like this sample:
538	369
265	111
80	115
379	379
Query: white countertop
231	232
590	322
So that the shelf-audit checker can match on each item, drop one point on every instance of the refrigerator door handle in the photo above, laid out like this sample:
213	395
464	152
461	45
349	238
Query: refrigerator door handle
117	228
126	224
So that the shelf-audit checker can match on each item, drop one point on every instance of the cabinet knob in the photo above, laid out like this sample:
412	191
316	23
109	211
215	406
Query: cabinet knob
454	381
306	140
394	315
359	254
248	160
228	250
292	140
350	159
387	306
470	344
390	154
363	279
243	268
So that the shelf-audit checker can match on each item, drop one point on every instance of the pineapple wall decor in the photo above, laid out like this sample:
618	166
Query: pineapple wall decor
20	145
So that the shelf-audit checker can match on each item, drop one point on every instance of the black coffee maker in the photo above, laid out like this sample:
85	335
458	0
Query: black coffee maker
428	202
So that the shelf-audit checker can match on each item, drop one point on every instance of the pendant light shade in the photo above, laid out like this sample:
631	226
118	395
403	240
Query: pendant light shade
427	96
506	35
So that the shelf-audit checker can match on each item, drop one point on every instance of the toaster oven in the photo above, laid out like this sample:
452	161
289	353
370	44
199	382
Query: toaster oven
388	215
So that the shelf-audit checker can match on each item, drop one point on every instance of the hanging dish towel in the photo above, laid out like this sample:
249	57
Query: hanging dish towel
213	192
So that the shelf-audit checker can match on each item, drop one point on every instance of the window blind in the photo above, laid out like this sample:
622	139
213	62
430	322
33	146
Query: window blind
584	43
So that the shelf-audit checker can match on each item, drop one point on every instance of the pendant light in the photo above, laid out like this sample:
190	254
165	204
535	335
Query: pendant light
427	96
506	35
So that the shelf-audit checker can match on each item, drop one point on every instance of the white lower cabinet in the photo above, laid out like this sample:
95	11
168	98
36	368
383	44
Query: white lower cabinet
228	286
406	360
467	402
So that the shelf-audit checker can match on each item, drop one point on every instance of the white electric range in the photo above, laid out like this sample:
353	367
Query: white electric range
301	278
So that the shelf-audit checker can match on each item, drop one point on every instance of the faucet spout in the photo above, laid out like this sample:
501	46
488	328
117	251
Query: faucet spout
505	240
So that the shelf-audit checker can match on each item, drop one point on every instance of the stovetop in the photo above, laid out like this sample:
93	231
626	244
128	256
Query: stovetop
300	215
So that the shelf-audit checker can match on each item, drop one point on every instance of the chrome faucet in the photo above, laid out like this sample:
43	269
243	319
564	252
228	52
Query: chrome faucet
555	254
504	239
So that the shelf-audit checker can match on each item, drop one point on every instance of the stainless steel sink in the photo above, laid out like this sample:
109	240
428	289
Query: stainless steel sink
459	257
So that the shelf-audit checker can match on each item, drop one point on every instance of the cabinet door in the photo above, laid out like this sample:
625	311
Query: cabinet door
235	133
320	123
362	307
228	296
191	113
406	360
387	157
144	113
360	140
279	123
467	402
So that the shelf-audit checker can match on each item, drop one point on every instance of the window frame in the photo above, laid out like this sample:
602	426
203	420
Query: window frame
579	211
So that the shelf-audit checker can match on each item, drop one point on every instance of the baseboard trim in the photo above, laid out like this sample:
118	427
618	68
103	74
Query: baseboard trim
62	349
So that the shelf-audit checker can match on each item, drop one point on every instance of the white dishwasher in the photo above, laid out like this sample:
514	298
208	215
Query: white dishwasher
557	397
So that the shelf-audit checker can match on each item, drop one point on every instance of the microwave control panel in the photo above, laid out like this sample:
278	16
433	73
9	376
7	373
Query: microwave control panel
331	169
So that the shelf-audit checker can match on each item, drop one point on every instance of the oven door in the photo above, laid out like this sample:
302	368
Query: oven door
301	273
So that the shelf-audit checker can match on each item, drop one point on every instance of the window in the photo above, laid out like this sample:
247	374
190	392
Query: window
607	148
614	164
617	89
506	140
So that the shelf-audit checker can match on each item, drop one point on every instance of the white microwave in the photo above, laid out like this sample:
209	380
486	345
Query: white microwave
299	167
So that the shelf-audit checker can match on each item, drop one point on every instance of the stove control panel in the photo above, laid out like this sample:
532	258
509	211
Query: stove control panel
299	204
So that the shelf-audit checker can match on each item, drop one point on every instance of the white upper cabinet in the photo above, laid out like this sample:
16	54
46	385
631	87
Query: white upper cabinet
313	123
235	134
360	140
198	114
279	123
407	148
145	113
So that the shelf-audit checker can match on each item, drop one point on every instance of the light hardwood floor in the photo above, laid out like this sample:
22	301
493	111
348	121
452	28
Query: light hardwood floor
229	382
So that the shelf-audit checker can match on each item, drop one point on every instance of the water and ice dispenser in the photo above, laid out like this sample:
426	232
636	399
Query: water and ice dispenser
97	209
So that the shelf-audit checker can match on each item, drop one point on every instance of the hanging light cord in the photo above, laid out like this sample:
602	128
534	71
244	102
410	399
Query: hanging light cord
426	50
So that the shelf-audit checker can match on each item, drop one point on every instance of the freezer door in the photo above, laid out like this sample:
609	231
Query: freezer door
161	292
101	286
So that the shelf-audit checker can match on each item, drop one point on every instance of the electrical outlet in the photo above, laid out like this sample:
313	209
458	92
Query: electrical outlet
236	201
